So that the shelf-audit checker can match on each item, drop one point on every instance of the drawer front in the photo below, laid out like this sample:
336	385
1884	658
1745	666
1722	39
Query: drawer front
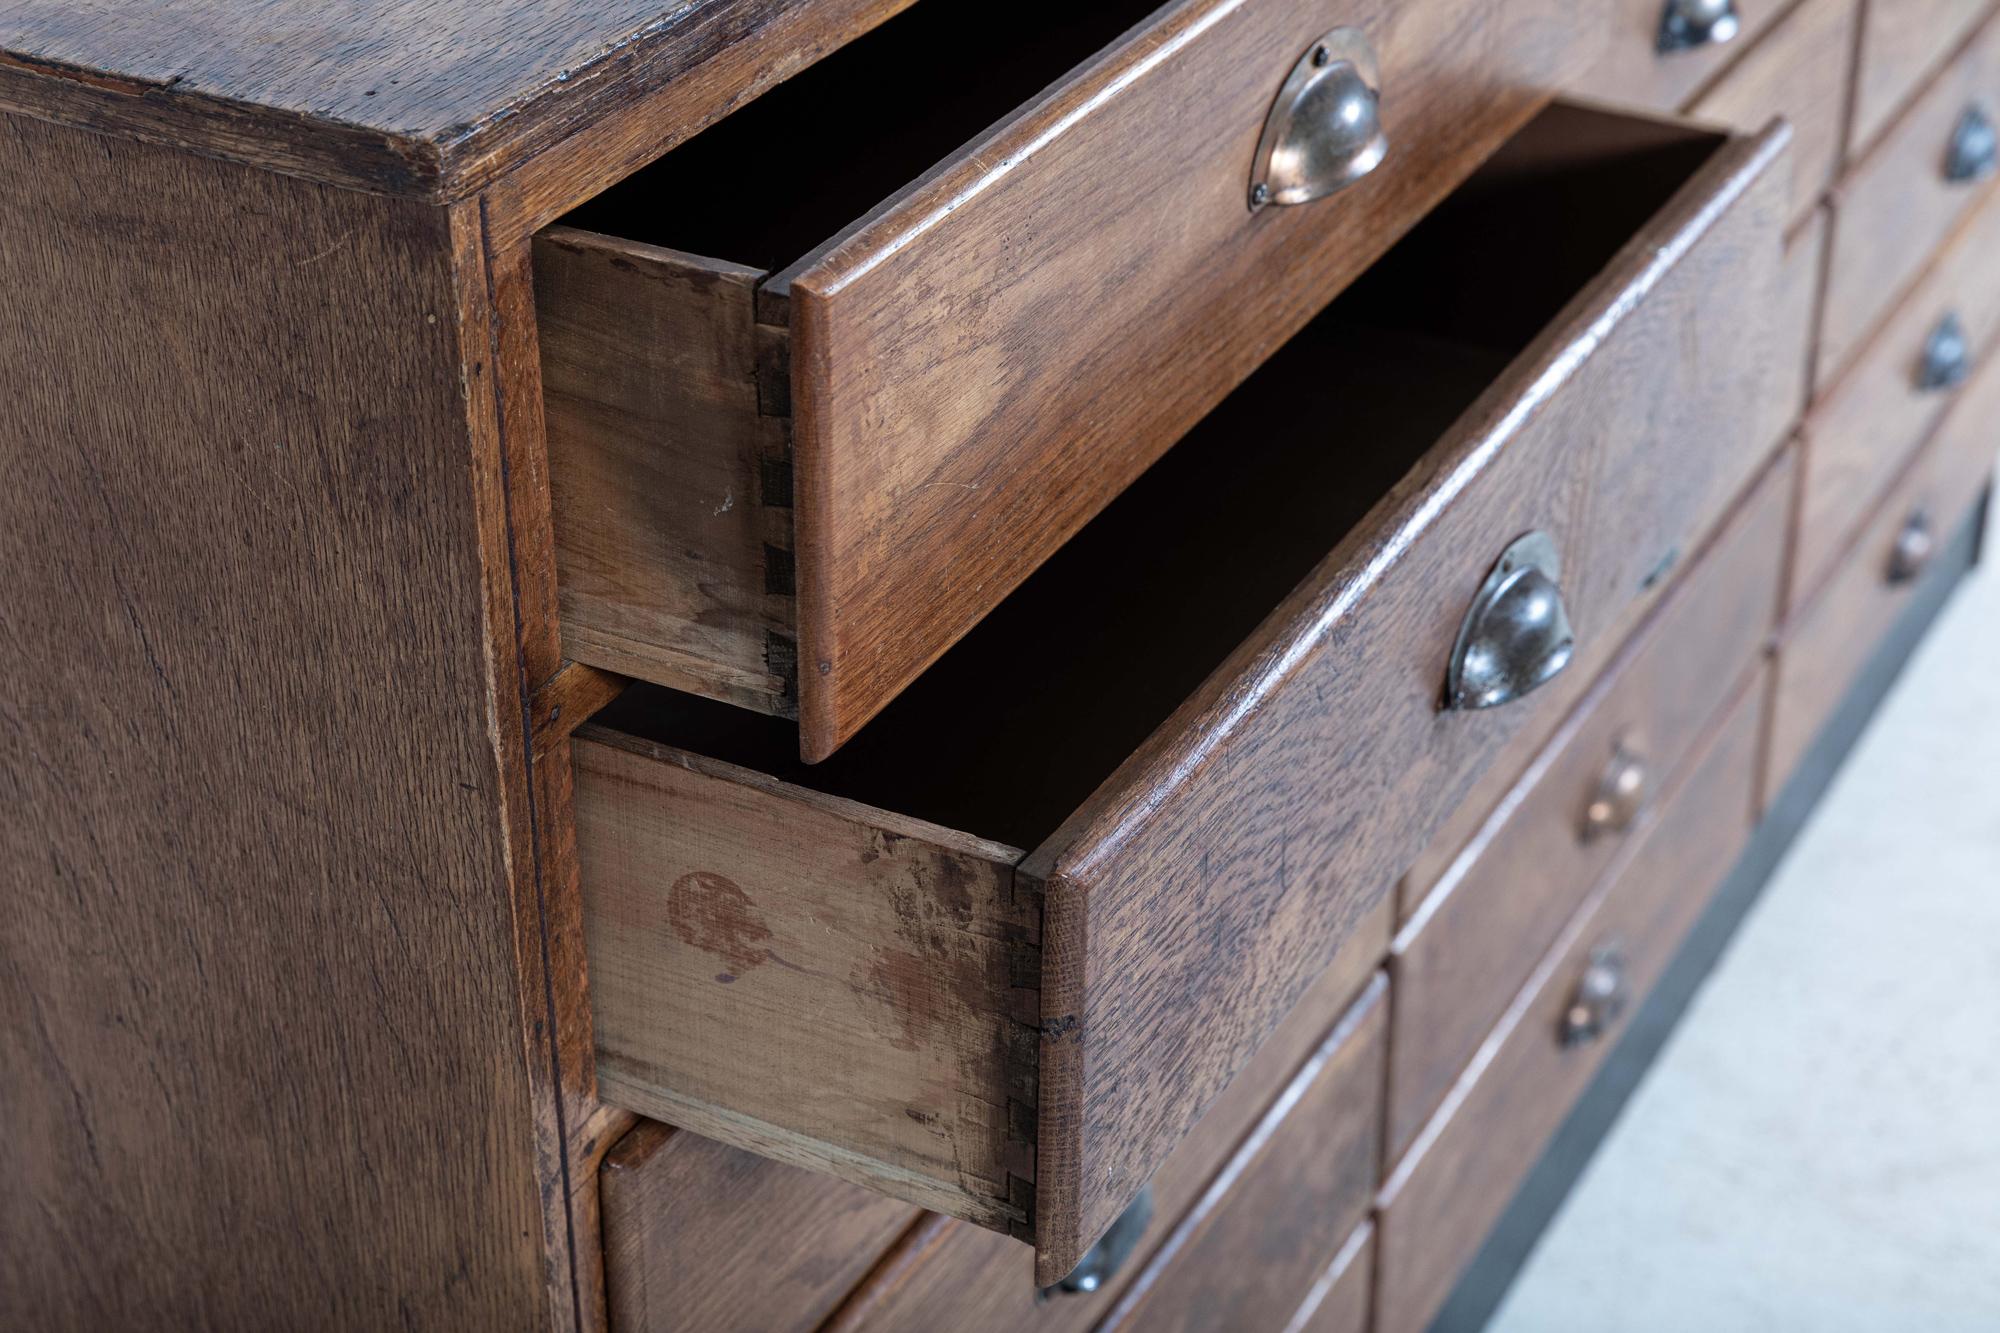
1900	203
1798	71
1339	1301
1268	1225
1467	951
1439	1203
1901	43
1831	638
1869	424
701	1235
981	367
980	1282
1641	67
1791	340
897	968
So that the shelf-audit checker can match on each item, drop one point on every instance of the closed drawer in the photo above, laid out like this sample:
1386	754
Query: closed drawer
1660	52
1901	43
1905	197
979	1281
701	1235
1439	1203
1798	71
1268	1226
1222	746
1475	940
1830	638
1868	425
802	440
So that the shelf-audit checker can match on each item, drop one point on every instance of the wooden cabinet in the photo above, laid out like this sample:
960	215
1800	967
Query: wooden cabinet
872	931
751	663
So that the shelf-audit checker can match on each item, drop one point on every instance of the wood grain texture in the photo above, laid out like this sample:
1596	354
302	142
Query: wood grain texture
1189	901
1341	1301
809	978
1797	333
1799	70
1902	42
1868	425
1896	207
1438	1204
1830	639
673	540
702	1235
980	367
1477	937
1263	1232
435	99
1634	72
981	1282
266	1055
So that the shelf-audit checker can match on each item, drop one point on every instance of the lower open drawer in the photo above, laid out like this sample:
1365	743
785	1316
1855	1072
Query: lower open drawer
1219	717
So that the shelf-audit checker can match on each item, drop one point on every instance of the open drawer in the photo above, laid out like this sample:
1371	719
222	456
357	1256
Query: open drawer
1217	716
827	382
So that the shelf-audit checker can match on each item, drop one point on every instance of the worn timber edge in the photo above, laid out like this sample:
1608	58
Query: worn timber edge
658	82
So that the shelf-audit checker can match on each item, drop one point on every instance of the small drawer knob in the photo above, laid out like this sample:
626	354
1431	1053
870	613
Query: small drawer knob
1947	358
1620	793
1913	549
1688	24
1325	130
1102	1261
1600	997
1516	636
1974	148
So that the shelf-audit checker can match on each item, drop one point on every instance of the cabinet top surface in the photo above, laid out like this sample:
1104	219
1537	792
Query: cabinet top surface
414	91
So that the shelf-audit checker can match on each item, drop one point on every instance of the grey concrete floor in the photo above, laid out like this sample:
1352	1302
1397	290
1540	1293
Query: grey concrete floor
1818	1144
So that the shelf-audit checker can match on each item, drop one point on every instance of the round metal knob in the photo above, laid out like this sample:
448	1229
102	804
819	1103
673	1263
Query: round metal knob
1974	148
1620	793
1516	636
1947	356
1687	24
1102	1260
1325	130
1913	549
1601	993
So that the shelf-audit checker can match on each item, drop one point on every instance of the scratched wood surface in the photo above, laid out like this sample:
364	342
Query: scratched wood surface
1475	940
413	96
263	1059
982	366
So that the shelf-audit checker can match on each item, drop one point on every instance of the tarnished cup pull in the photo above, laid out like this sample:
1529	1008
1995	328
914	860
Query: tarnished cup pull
1600	997
1947	355
1974	148
1687	24
1105	1258
1620	793
1913	549
1325	130
1516	636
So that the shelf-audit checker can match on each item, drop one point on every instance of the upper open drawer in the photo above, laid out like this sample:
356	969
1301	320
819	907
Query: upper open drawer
828	381
1222	715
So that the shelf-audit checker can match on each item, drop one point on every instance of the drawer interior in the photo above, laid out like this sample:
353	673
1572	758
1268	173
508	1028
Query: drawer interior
856	127
1027	715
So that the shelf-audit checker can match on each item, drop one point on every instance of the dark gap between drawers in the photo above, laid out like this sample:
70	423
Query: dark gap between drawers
855	128
1013	728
